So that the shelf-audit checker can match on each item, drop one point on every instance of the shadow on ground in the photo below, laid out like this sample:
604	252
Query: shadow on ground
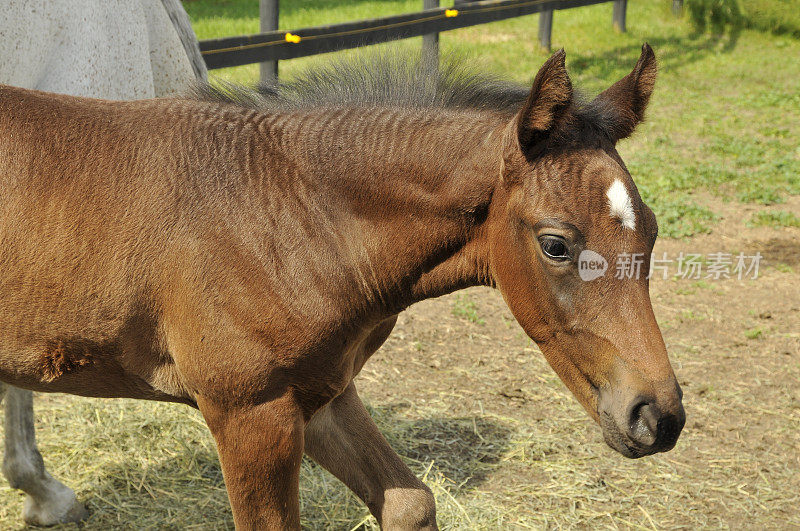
463	449
672	52
188	490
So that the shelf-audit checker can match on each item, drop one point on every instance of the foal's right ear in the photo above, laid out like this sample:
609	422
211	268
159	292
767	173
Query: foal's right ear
549	98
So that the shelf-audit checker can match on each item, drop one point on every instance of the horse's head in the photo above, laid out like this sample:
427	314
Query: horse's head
565	209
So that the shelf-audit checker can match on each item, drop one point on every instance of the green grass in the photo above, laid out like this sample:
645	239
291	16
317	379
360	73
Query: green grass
777	16
754	333
466	309
723	119
729	16
775	219
689	315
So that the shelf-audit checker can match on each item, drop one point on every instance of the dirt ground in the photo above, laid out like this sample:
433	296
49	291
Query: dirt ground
467	399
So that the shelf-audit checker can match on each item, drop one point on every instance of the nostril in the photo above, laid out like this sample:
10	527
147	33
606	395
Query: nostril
644	424
670	428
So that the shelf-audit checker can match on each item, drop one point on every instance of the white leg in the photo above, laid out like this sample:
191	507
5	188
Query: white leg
48	501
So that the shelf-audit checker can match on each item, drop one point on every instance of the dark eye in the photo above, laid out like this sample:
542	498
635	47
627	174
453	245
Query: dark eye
555	248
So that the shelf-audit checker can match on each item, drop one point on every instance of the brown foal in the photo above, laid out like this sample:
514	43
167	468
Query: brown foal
247	254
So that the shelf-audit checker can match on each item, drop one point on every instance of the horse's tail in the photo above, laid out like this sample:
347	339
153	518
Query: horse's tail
180	20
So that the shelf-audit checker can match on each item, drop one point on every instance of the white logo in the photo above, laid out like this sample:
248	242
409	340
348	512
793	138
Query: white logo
591	265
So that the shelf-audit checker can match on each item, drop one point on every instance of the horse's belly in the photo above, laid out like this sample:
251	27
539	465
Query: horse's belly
87	367
80	326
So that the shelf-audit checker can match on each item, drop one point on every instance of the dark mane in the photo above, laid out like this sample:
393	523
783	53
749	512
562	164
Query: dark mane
379	79
396	79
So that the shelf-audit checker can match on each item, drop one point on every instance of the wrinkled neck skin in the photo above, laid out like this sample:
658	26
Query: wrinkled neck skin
398	199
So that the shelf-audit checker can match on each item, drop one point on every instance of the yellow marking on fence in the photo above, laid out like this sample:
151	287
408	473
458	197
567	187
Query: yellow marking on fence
448	13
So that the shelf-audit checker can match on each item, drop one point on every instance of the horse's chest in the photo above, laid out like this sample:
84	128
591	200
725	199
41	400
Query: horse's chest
357	349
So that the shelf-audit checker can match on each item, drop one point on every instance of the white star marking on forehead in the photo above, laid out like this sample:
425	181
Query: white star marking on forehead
621	205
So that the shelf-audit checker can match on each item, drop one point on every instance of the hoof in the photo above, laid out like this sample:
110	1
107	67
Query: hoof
60	507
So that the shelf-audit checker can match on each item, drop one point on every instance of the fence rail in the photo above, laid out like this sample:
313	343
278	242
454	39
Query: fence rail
273	46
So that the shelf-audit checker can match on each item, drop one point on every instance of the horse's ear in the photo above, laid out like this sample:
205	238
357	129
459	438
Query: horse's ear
548	99
624	103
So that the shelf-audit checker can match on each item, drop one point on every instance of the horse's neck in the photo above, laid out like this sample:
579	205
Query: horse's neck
414	186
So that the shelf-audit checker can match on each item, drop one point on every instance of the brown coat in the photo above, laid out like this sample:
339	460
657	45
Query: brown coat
249	261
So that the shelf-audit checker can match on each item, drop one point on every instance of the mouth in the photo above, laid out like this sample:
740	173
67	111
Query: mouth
612	434
619	441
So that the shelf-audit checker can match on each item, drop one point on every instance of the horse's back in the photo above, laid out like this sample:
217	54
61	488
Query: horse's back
80	237
134	240
58	142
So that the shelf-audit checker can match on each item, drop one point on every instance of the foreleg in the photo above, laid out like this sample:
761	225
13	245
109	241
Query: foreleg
343	438
260	448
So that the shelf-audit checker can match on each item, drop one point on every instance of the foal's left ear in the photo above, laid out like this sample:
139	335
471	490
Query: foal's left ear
624	103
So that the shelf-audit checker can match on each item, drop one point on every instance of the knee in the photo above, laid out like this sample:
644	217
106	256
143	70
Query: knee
407	509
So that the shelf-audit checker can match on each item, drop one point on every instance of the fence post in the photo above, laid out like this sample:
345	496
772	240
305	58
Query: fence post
269	22
677	7
620	6
545	28
430	41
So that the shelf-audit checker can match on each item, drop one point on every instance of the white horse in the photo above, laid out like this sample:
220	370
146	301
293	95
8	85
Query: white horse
112	49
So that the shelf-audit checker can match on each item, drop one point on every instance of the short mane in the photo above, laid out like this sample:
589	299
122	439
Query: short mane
397	79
